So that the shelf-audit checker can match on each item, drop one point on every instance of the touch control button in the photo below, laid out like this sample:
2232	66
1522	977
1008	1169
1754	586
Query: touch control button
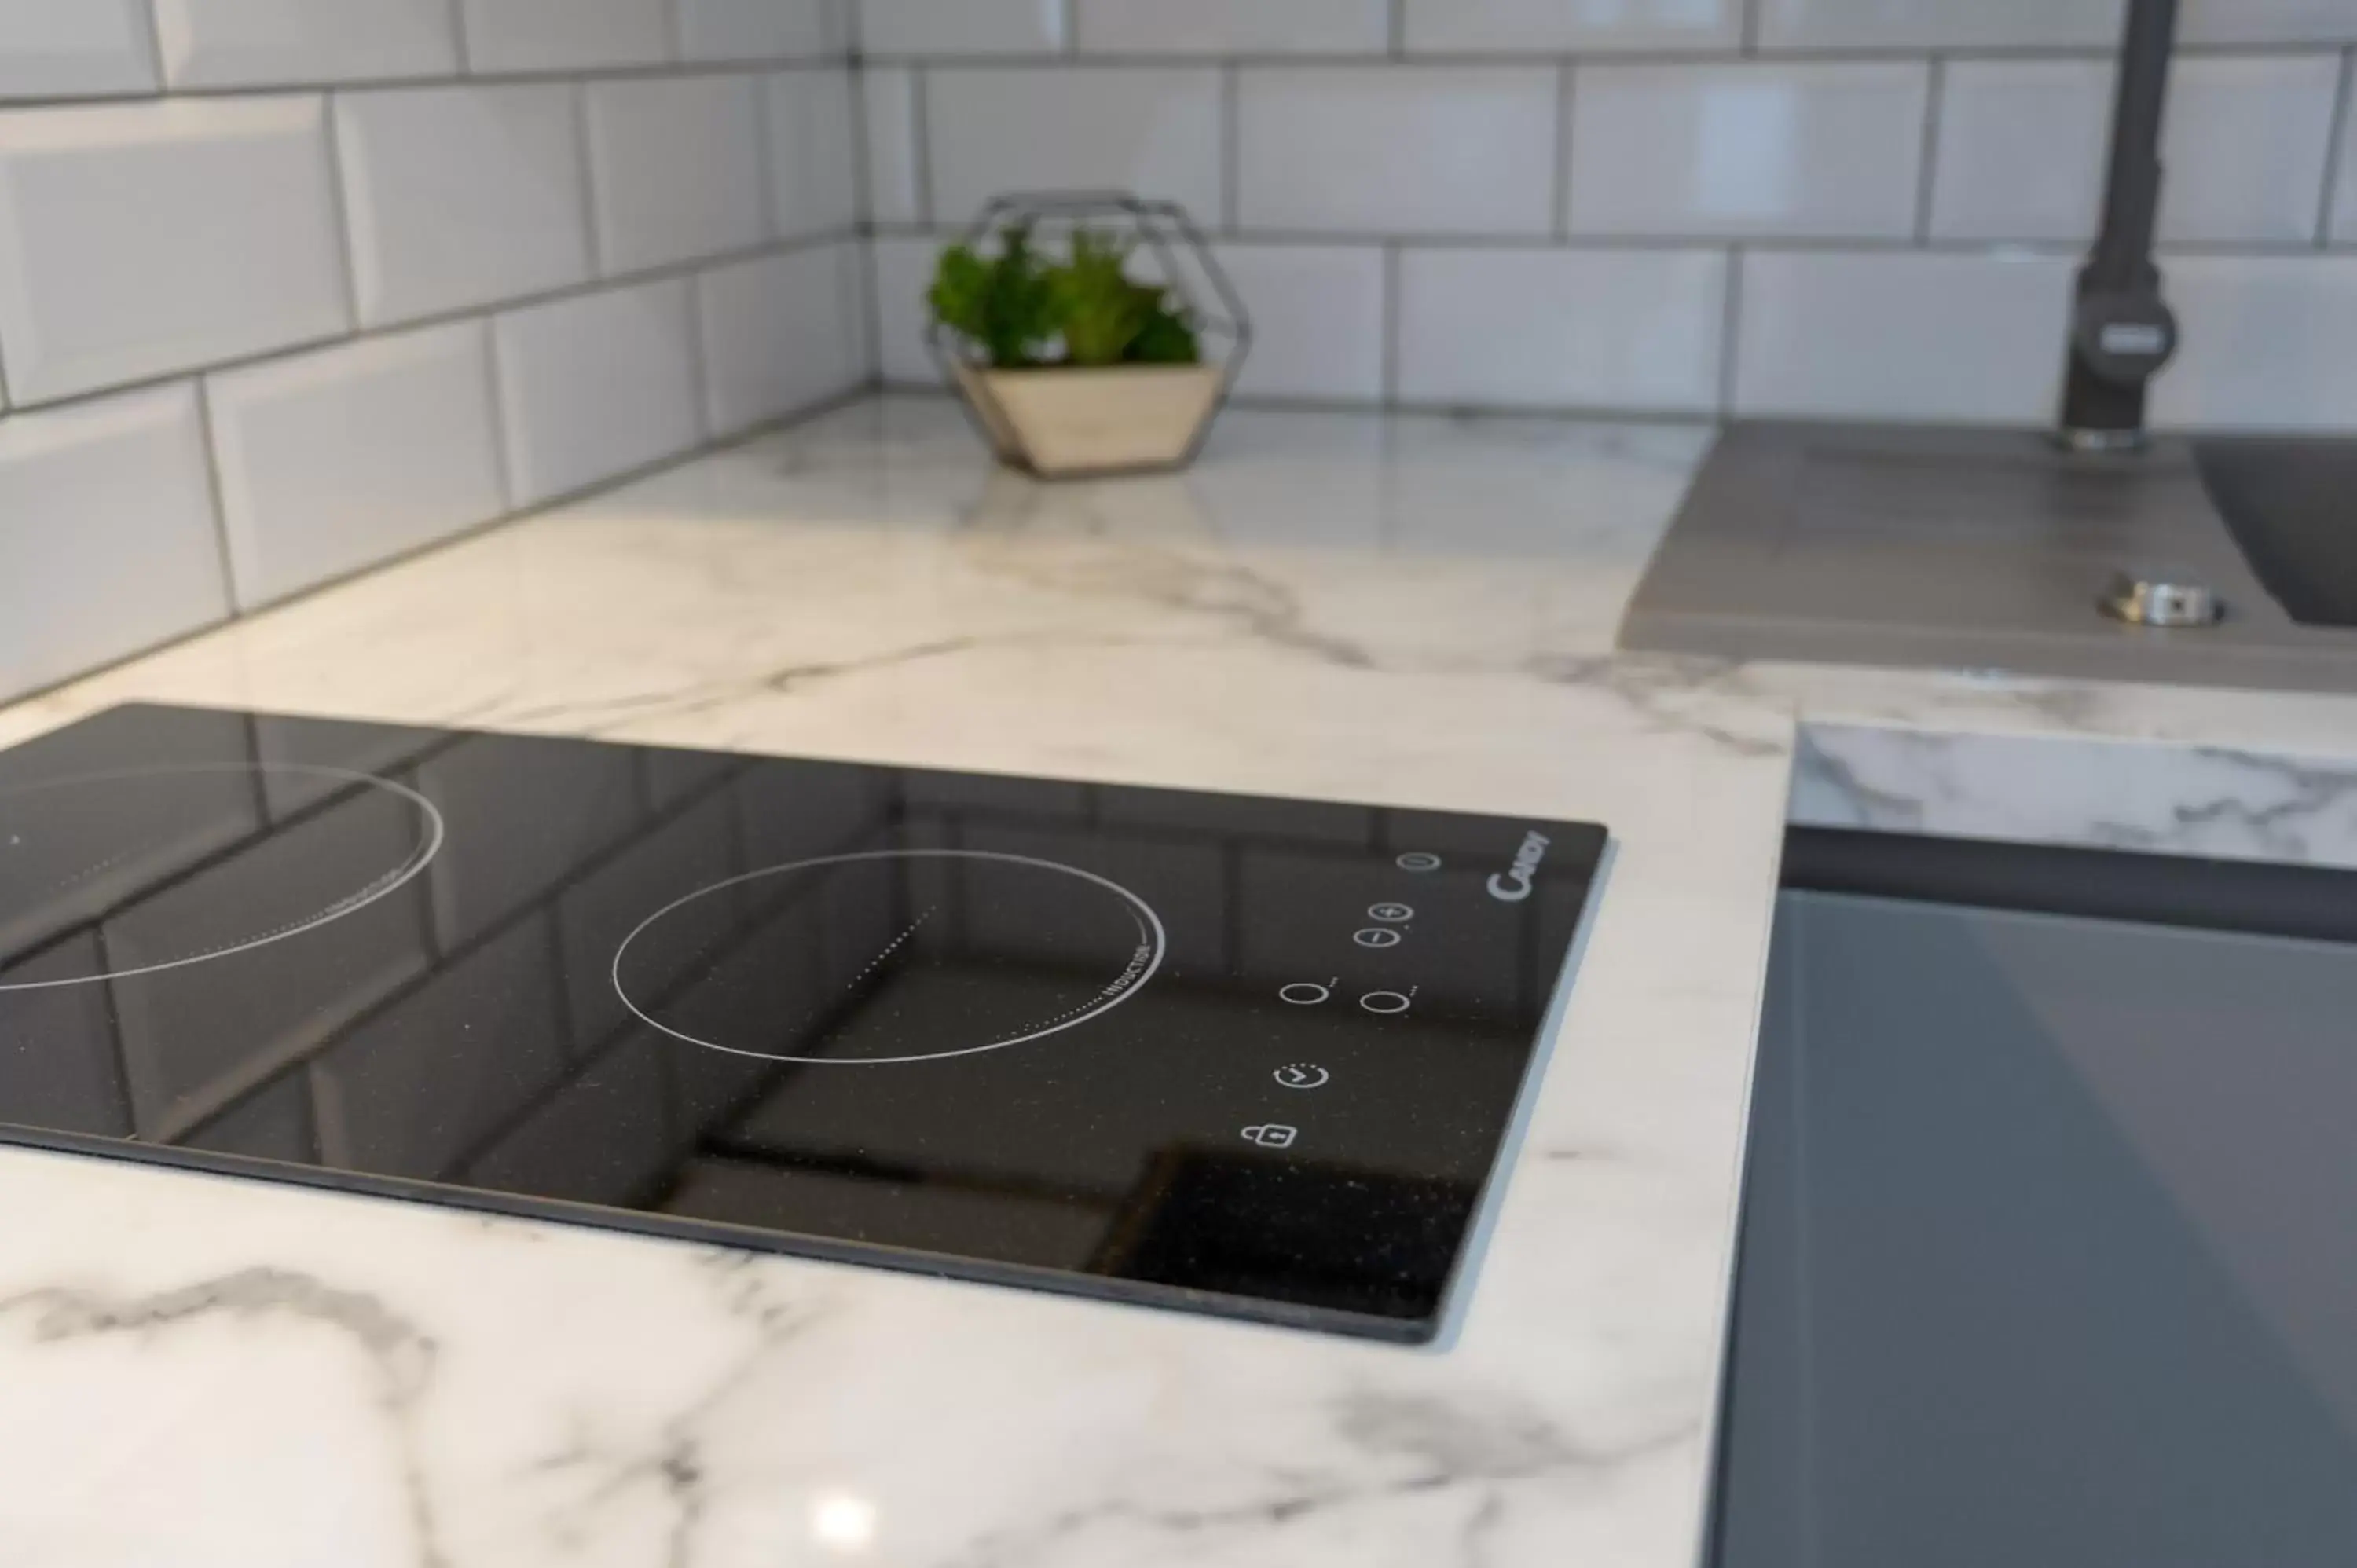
1376	937
1385	1003
1303	1075
1305	994
1418	859
1271	1136
1394	914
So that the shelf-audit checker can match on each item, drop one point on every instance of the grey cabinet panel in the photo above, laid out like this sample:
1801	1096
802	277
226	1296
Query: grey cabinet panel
2050	1247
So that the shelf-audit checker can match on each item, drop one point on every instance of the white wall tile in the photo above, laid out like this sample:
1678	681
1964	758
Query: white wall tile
1392	149
756	30
240	43
1894	334
1809	148
1616	329
1583	25
1235	26
961	26
595	386
1938	24
780	333
2022	146
2246	147
565	35
462	196
887	98
2268	21
675	169
2021	149
143	239
1317	319
2268	343
814	173
333	461
998	129
62	47
903	272
107	543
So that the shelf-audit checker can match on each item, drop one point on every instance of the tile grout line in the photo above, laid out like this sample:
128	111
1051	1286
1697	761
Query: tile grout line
1730	331
200	388
921	131
1559	219
581	141
1927	170
1390	391
863	210
495	387
1396	30
1748	41
2336	151
153	26
1232	152
461	54
340	209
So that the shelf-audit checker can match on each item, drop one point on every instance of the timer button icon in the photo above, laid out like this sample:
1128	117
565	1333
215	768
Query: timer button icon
1303	1075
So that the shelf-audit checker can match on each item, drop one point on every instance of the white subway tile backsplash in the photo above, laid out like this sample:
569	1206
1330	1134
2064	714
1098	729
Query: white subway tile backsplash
1235	26
595	386
58	48
1900	335
815	180
780	333
462	196
2245	147
333	460
992	130
961	26
675	169
1772	148
107	543
2021	149
565	35
2022	145
756	29
1589	26
2268	343
903	272
1610	328
245	43
2268	21
1398	149
1938	24
143	239
888	100
1317	315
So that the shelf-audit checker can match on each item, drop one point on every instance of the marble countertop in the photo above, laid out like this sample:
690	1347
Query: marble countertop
1419	612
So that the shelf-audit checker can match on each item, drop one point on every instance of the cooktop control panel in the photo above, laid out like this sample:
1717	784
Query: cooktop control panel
1246	1055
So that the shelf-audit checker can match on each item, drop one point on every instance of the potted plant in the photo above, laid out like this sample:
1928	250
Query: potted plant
1074	359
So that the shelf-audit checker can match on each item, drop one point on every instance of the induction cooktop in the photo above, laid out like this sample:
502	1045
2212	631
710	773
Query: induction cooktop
1250	1057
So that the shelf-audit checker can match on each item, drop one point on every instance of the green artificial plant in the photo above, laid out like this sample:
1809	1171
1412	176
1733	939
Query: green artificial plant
1016	308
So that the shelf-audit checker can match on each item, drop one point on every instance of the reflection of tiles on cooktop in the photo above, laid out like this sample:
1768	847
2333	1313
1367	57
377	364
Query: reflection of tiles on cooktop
1134	1042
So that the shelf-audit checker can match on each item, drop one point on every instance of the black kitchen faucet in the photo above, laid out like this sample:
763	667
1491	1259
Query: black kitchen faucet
2122	332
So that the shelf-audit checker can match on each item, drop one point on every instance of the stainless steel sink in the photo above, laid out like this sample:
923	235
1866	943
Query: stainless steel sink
1978	548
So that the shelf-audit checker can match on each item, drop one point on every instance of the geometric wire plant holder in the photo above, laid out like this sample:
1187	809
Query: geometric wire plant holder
1079	422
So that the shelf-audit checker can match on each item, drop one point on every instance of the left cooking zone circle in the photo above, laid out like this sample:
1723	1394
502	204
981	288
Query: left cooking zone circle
127	871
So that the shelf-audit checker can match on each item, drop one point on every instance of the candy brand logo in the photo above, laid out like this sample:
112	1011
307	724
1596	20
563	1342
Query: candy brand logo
1513	887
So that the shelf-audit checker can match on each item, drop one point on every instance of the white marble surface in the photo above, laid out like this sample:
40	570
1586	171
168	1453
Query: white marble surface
201	1371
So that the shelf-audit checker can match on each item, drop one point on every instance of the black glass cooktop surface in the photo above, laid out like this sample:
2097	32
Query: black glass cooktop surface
1242	1055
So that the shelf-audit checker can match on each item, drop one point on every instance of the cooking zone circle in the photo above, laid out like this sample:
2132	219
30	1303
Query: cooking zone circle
889	956
177	892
